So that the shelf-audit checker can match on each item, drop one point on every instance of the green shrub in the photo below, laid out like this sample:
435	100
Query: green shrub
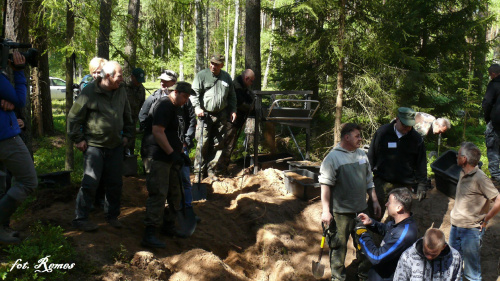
45	254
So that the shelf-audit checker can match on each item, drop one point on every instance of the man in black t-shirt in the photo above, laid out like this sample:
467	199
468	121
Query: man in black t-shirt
164	152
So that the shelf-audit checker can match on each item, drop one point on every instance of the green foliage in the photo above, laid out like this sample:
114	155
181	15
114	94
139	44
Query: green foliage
45	241
122	254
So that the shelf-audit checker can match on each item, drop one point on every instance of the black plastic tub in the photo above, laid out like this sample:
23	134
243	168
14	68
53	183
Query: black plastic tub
447	173
56	179
305	187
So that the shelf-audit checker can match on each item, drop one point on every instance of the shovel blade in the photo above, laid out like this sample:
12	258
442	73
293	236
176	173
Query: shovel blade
318	269
186	220
199	191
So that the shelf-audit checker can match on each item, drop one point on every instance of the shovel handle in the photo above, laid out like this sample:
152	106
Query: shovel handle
322	242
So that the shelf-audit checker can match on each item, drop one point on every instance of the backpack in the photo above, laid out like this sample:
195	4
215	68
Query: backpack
87	79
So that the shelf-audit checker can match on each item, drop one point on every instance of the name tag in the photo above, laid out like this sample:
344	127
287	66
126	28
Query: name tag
362	161
392	145
224	84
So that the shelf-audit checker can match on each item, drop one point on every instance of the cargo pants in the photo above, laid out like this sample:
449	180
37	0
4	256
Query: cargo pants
163	184
493	152
214	129
338	248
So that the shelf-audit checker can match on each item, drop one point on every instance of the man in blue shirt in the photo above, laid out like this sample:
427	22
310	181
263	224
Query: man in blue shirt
14	155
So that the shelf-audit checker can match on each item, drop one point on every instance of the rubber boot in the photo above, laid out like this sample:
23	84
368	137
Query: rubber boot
150	240
8	206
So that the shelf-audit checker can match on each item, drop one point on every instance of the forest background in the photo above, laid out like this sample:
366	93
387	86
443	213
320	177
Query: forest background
361	59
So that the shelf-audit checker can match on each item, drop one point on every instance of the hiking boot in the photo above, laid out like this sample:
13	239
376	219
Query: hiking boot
8	206
115	223
84	225
6	236
149	240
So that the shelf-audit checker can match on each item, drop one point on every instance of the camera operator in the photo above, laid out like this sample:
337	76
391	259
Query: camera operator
14	155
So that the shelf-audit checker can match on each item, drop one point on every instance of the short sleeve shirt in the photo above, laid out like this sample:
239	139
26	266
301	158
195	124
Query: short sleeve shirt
166	114
474	190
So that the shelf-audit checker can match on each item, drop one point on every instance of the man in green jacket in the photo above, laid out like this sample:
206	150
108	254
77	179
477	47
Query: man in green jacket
100	124
214	102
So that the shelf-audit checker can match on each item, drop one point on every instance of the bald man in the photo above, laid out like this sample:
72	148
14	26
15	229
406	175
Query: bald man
244	102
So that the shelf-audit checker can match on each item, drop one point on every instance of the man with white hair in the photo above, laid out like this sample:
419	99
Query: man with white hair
100	124
424	122
471	212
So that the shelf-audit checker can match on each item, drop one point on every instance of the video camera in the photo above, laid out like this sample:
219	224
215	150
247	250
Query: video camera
31	55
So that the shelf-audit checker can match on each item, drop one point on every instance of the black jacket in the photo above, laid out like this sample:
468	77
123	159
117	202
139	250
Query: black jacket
188	122
402	161
144	117
491	103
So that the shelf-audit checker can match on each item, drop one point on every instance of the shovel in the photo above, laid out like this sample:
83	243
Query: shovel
186	218
199	189
318	269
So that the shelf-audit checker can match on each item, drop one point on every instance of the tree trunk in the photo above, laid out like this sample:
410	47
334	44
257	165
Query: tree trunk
200	59
226	40
235	37
69	163
252	41
207	34
181	50
42	104
134	7
17	29
340	75
104	29
269	57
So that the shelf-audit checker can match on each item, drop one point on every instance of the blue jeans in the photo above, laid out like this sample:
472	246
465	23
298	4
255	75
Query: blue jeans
186	181
492	152
101	165
468	242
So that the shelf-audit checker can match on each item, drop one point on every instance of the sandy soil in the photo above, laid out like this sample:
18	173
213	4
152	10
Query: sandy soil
251	229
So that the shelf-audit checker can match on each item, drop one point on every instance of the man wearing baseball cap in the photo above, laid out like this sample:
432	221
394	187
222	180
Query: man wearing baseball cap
397	157
164	151
214	103
167	79
136	94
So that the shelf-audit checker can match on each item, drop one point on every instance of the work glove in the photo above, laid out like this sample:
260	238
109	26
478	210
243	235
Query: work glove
359	230
177	160
331	235
421	192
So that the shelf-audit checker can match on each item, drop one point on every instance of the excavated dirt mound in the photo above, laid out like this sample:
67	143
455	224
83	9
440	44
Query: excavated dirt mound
251	229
